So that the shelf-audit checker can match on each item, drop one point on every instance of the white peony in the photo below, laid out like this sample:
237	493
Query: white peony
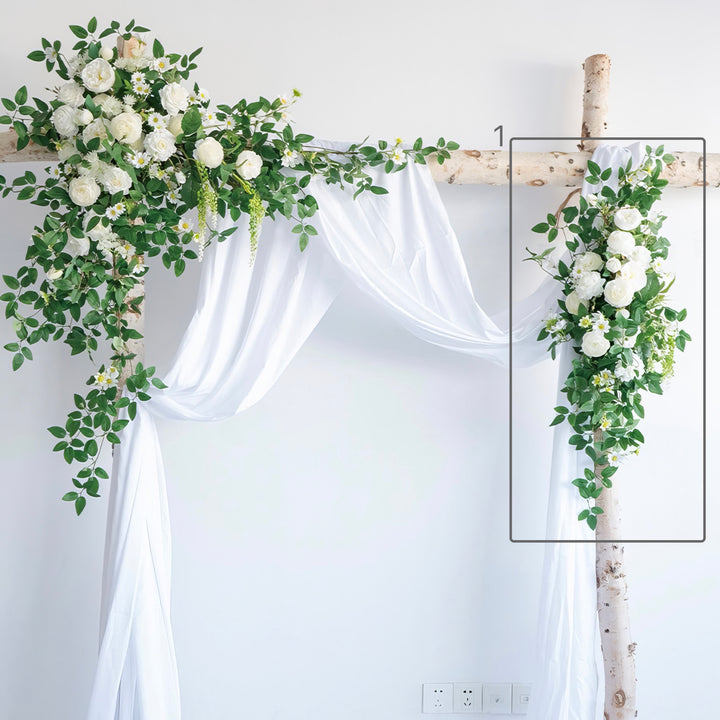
619	292
66	150
96	129
84	191
92	166
595	344
613	265
84	117
116	180
174	124
110	105
174	98
634	273
209	152
248	164
98	76
620	243
572	303
627	218
64	119
589	261
589	285
77	246
71	94
160	144
126	127
641	255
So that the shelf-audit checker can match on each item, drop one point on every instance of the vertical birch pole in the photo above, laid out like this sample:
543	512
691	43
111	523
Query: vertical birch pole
618	649
135	320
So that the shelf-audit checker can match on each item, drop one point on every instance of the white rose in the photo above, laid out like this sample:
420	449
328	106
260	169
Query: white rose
84	116
625	374
634	273
174	98
641	255
96	129
65	121
126	127
619	292
65	151
98	76
160	144
77	246
54	274
589	261
209	152
84	191
106	53
249	164
627	218
116	180
595	344
613	265
71	94
174	124
589	285
621	243
572	303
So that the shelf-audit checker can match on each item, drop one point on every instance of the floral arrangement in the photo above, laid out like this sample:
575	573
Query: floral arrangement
146	166
614	311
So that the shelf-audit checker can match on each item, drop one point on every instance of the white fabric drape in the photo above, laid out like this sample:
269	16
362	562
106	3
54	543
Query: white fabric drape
249	323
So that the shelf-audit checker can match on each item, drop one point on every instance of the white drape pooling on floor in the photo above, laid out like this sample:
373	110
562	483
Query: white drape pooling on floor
249	323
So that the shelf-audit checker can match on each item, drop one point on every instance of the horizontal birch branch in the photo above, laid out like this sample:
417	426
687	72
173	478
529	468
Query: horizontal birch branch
483	167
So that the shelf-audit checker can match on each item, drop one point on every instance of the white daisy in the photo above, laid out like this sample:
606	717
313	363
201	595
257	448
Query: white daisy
228	123
138	159
161	64
156	120
137	78
290	158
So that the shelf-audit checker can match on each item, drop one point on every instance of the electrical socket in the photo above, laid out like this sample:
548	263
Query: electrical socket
467	697
497	698
437	698
521	698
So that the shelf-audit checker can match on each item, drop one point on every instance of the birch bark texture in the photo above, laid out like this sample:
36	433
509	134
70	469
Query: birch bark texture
618	649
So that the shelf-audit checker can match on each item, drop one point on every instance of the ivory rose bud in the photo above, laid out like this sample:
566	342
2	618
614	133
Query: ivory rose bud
84	191
174	98
619	292
116	180
209	152
77	246
627	218
589	261
160	144
572	303
64	119
595	344
248	164
71	94
613	265
634	273
175	124
621	243
98	76
126	127
84	117
641	255
106	53
589	285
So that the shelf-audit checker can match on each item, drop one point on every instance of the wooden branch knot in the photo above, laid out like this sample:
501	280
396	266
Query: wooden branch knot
619	698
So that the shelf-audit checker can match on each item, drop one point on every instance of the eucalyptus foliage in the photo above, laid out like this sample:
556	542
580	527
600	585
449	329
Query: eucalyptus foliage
615	313
146	166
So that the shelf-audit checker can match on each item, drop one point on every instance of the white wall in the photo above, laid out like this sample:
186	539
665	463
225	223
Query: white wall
346	539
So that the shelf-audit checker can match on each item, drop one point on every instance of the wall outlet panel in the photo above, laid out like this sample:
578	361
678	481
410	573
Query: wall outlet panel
467	698
497	698
521	698
437	698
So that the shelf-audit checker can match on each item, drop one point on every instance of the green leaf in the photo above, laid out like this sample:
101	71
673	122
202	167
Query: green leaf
69	496
192	121
11	282
378	190
557	420
80	504
37	56
158	49
583	514
594	168
158	383
540	228
21	96
592	522
17	361
57	431
92	25
80	32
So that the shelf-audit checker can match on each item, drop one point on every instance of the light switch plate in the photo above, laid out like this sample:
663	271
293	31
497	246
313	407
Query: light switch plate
521	698
497	698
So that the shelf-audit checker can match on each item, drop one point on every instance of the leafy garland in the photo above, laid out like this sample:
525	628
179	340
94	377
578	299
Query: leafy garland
615	314
138	151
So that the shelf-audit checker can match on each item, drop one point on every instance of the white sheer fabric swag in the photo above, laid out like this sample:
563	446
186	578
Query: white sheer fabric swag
249	322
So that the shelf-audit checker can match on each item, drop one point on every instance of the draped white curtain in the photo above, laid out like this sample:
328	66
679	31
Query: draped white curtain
250	321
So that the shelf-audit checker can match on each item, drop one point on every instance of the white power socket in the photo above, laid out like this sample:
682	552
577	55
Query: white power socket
467	697
437	698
